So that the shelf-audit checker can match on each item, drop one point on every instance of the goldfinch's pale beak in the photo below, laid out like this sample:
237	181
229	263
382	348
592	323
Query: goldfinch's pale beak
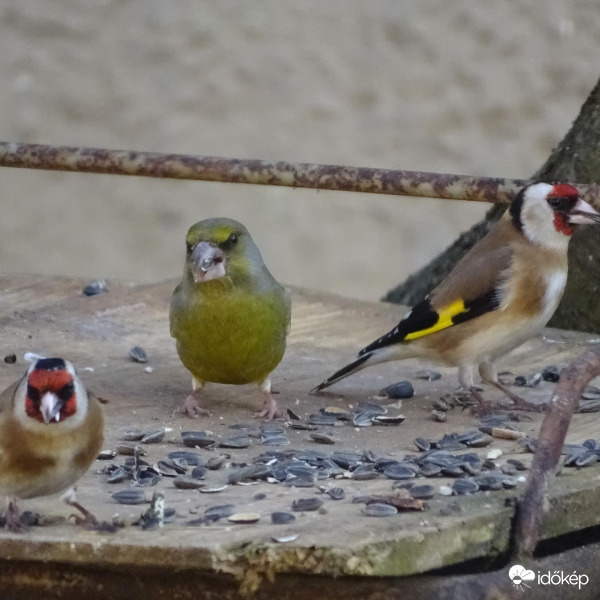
208	262
50	406
583	214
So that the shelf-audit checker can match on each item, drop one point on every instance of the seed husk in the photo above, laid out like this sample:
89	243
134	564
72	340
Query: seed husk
244	518
398	391
183	482
282	518
377	509
307	504
154	437
138	354
191	458
220	511
95	287
322	438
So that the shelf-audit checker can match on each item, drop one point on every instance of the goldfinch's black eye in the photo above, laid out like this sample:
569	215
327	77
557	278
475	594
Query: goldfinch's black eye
561	203
66	391
33	393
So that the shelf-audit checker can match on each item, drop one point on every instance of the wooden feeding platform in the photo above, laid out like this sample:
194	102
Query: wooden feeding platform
337	547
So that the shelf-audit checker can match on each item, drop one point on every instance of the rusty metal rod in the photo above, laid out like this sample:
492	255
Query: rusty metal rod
301	175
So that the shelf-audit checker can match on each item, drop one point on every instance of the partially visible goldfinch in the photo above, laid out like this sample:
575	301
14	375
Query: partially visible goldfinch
501	293
51	430
229	316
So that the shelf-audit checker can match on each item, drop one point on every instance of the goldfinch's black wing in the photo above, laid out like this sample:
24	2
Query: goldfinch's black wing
473	288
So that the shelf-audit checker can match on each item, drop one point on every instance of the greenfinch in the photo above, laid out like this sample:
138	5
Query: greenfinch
229	316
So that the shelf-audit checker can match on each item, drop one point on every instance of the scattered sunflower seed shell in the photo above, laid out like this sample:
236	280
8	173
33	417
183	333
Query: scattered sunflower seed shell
397	391
282	518
244	518
307	504
138	354
377	509
95	287
154	437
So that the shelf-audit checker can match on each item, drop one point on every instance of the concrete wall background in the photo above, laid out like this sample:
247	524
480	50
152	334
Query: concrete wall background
483	88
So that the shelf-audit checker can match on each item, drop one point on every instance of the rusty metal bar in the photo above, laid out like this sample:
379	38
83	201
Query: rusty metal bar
261	172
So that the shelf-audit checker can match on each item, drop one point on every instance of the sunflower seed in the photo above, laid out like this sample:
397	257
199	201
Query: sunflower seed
138	354
430	470
106	454
130	496
398	471
97	286
184	482
307	504
528	381
518	464
276	440
322	438
464	486
239	441
377	509
551	374
220	511
129	450
398	391
199	439
118	475
133	435
422	444
388	419
428	375
154	437
335	493
10	359
191	458
284	539
303	427
319	419
362	419
244	518
282	518
422	492
301	482
213	490
337	412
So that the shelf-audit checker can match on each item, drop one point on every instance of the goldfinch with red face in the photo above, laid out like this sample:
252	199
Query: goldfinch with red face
51	430
229	315
501	293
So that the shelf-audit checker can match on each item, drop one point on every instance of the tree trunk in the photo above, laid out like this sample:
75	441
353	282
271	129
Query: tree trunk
576	159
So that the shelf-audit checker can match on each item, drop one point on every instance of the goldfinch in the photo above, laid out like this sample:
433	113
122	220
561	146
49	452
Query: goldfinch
229	315
501	293
51	430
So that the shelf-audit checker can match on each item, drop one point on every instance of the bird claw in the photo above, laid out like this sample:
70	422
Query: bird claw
270	411
12	519
191	408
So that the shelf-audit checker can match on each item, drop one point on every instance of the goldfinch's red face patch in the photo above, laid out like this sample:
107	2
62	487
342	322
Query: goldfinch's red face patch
51	396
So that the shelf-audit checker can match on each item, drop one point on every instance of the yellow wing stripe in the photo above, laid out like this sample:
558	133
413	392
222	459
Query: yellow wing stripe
445	316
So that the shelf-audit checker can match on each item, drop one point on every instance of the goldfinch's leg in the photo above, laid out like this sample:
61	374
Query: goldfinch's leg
191	405
270	409
467	382
88	520
13	517
489	375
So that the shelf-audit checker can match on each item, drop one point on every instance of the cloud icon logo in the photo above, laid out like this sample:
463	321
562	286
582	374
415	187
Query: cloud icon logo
519	574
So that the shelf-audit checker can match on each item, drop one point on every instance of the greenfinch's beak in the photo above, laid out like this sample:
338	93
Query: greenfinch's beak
583	213
208	262
50	406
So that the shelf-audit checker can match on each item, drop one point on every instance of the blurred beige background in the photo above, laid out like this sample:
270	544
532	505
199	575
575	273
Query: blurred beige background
484	88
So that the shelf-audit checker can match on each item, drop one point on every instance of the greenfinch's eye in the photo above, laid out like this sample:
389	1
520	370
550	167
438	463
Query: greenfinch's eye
232	239
189	247
230	242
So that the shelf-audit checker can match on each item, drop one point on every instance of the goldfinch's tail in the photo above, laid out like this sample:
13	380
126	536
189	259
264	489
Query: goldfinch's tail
353	367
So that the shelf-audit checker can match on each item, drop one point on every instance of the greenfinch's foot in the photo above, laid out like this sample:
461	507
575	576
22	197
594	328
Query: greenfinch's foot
191	407
484	407
270	409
